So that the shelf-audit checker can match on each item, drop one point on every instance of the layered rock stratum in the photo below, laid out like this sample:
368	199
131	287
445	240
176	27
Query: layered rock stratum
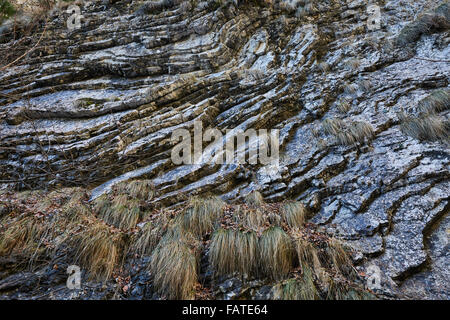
96	105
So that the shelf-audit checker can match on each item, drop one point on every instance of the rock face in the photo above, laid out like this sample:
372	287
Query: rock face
98	104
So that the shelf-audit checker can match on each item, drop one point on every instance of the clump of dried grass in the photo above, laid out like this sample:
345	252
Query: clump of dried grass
338	257
348	133
254	198
436	102
308	257
250	218
294	214
201	214
121	211
353	63
142	190
174	265
302	288
22	235
234	251
344	105
42	222
99	248
333	126
337	290
276	252
424	127
145	241
425	23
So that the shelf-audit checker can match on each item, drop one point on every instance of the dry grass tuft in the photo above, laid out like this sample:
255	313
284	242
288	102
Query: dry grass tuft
365	85
36	233
201	215
348	134
102	205
22	235
136	189
333	126
339	258
344	105
355	134
287	290
99	249
335	290
426	23
273	219
324	67
277	254
252	219
234	251
436	102
145	241
174	266
308	289
424	127
353	63
350	88
297	289
254	198
122	211
308	257
72	216
340	291
294	214
359	132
